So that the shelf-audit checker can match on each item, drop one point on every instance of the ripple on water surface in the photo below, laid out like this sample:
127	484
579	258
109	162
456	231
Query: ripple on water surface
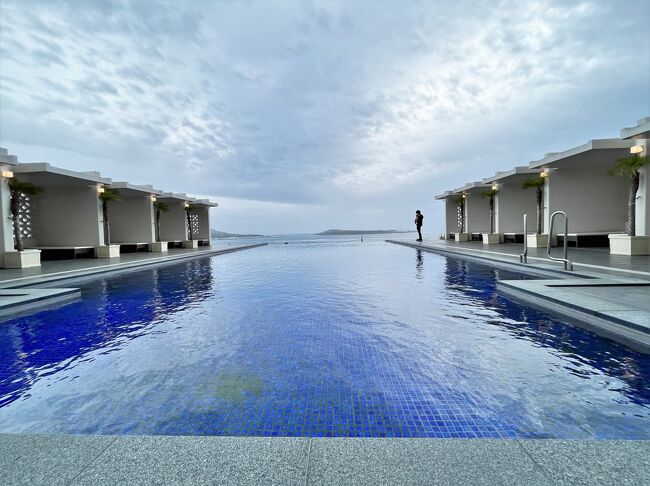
320	338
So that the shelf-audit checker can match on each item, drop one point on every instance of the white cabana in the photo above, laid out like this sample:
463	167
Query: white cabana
579	183
65	220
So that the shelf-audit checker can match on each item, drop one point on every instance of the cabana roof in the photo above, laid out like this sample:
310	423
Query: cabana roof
176	196
517	172
44	174
205	202
128	189
479	185
593	153
6	158
640	130
444	195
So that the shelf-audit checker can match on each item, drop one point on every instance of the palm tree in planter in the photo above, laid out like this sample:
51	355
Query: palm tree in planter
18	189
460	202
160	207
105	197
189	210
537	240
625	244
490	237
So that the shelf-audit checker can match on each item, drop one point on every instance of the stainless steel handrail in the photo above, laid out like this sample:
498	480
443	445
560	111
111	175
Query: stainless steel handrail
567	262
523	258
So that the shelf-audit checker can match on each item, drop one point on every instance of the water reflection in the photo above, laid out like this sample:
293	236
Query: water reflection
477	283
113	309
419	264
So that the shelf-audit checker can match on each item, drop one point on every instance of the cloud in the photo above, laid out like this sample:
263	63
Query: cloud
357	110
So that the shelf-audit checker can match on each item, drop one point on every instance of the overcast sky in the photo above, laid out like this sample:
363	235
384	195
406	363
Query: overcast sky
299	116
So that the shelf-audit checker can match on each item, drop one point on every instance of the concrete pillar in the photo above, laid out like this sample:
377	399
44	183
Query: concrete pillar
642	219
6	227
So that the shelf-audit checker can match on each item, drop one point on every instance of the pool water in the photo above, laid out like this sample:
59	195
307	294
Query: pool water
330	337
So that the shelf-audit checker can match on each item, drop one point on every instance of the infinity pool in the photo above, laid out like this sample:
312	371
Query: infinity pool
316	338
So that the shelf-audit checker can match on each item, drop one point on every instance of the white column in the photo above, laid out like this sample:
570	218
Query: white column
6	227
642	219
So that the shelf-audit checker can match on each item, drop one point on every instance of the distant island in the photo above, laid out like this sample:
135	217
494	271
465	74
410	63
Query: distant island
359	232
222	234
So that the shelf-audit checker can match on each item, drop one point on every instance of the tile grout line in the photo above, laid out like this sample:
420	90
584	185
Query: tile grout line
308	461
538	465
92	461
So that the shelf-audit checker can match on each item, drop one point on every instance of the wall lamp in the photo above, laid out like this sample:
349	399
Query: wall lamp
465	195
100	189
495	187
544	173
7	174
187	205
153	198
637	149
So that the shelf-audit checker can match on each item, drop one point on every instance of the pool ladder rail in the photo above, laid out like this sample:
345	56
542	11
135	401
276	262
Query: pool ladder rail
568	265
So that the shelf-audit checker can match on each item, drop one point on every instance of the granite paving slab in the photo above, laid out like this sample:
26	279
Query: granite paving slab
200	460
592	463
347	461
47	459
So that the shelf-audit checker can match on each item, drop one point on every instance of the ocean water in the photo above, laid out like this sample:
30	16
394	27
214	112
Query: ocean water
322	336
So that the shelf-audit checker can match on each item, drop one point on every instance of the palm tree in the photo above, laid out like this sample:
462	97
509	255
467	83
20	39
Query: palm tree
189	209
161	207
18	188
460	202
491	193
538	184
105	197
629	167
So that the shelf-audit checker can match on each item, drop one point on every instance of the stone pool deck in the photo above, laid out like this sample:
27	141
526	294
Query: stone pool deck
607	294
79	460
18	292
51	271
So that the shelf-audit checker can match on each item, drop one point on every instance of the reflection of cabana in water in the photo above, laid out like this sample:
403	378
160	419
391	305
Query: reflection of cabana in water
65	220
132	220
511	202
579	182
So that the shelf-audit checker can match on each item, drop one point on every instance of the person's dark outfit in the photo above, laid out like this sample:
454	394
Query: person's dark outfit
418	224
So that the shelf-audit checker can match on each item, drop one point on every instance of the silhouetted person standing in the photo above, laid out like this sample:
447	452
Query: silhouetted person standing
418	223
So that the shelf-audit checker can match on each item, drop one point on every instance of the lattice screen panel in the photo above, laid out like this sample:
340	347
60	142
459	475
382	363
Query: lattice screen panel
25	217
194	222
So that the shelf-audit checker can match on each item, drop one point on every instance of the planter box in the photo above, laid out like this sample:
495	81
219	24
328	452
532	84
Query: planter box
191	244
537	241
461	237
158	246
22	259
629	245
491	238
107	251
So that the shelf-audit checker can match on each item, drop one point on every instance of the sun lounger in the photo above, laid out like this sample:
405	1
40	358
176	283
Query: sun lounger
513	237
204	242
586	240
66	252
133	247
175	244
